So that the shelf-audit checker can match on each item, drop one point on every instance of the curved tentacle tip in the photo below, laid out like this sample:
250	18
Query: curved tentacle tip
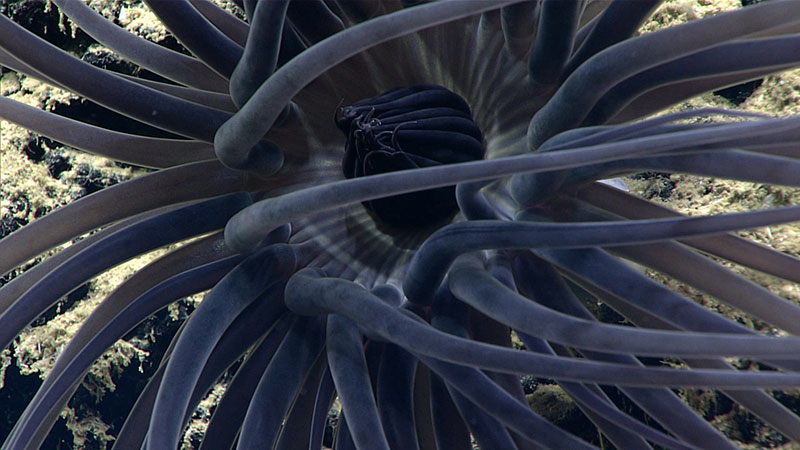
299	295
418	289
240	243
236	240
388	293
264	157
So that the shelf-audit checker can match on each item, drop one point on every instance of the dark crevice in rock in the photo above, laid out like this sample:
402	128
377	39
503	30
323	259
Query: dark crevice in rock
659	184
741	92
15	395
44	22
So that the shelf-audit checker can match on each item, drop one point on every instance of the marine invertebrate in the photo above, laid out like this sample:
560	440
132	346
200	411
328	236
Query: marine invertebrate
408	128
304	274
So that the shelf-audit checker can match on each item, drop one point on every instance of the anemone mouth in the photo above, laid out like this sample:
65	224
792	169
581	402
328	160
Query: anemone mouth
355	239
408	128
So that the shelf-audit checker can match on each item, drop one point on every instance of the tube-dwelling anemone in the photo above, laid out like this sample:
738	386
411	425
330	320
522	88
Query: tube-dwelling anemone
381	253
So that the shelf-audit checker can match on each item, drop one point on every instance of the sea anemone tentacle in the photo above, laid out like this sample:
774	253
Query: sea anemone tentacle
549	289
351	378
237	136
98	333
114	249
168	63
291	364
198	34
112	91
225	302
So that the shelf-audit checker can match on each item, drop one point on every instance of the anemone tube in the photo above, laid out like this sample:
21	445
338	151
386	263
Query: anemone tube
409	323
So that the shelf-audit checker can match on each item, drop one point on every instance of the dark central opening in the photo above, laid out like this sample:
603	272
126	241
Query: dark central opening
408	128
